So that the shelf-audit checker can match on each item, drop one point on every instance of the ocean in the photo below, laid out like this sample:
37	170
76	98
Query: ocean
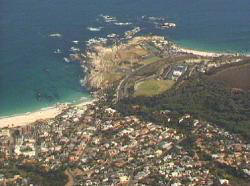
33	72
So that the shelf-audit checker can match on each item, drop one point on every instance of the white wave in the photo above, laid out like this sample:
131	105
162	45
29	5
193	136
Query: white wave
102	40
76	42
74	49
91	41
94	29
112	35
66	60
108	18
129	34
122	24
96	41
156	18
55	35
83	81
58	51
85	68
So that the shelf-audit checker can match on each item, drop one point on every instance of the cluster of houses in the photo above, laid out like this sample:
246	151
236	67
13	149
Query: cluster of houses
206	65
99	146
221	146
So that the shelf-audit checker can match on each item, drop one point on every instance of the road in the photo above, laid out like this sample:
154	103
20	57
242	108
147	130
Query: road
70	178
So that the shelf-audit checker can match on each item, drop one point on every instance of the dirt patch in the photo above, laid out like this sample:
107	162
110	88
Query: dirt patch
234	77
131	52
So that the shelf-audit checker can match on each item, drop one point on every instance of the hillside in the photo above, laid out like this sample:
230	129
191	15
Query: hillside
211	97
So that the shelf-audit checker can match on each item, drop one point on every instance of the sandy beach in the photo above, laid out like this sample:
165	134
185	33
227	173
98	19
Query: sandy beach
200	53
28	118
25	119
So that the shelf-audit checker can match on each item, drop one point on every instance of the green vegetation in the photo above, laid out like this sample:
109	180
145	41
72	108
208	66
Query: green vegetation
112	77
36	174
234	176
203	98
150	60
152	87
41	176
151	47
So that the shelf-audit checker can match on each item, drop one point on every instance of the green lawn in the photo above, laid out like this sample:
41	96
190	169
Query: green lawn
152	87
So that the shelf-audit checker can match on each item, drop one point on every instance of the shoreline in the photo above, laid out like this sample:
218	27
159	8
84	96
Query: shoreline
204	52
42	114
51	112
199	52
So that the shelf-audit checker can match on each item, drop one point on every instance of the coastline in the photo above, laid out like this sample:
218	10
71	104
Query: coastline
42	114
199	52
52	112
28	118
205	53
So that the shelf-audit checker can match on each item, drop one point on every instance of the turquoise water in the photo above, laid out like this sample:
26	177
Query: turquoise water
28	66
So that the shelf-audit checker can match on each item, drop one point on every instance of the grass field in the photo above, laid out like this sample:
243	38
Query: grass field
152	87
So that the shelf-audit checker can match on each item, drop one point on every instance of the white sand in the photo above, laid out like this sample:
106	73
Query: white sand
47	113
25	119
200	53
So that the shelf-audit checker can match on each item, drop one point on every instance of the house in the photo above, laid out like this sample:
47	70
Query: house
246	171
196	122
5	132
1	177
224	181
248	147
177	73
